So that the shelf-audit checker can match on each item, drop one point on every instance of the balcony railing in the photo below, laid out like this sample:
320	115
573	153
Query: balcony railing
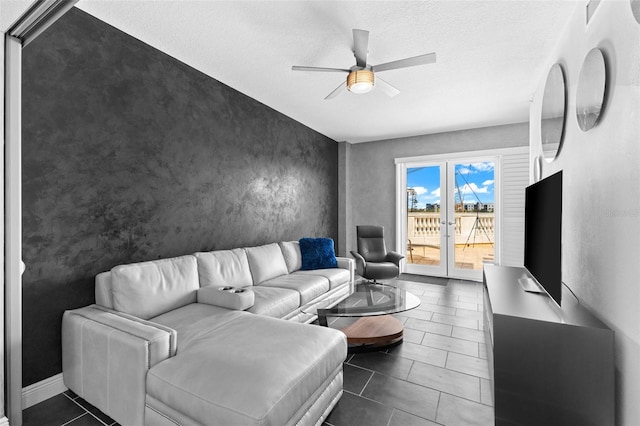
470	228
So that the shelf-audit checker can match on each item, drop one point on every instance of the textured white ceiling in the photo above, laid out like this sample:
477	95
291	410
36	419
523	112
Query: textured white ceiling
491	55
10	11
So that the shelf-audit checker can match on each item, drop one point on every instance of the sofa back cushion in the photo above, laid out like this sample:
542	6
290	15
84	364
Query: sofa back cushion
292	255
266	262
104	291
148	289
224	268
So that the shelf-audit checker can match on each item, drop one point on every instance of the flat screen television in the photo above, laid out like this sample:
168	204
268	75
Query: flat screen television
543	234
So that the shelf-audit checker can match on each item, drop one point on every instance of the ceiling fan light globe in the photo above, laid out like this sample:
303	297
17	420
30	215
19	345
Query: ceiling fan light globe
362	87
360	81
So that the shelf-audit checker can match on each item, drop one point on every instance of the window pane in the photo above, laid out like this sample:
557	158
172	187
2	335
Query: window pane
474	214
423	216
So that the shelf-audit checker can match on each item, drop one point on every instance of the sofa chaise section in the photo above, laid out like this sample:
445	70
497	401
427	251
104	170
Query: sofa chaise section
224	375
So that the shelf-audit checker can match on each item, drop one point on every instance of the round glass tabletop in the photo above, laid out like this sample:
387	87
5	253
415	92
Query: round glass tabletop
368	299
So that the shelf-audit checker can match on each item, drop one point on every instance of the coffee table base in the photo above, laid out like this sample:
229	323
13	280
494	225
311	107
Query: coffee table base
374	333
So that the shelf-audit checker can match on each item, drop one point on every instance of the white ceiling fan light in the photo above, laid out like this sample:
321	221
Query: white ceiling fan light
361	77
360	81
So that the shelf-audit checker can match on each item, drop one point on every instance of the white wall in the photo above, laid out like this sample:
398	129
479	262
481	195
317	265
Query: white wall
601	203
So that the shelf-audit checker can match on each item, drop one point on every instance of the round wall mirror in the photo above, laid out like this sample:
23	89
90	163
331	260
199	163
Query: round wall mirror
635	9
591	88
553	113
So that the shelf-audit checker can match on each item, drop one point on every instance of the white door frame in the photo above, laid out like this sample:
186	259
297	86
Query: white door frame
401	202
29	25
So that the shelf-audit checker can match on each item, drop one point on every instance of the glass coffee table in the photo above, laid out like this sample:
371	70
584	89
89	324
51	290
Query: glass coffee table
372	305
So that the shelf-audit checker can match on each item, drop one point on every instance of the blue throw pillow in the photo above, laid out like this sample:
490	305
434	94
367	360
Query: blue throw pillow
317	253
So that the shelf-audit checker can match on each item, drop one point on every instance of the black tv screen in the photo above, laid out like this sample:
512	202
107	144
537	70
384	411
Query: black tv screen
543	234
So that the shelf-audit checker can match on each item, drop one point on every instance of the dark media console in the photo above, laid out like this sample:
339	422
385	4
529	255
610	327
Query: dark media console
549	365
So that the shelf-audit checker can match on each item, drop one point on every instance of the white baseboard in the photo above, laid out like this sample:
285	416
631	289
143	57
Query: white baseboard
41	391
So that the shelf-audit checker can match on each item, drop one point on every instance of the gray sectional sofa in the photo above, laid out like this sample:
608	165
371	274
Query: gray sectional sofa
203	339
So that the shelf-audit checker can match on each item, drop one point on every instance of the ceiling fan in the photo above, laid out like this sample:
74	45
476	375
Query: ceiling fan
361	77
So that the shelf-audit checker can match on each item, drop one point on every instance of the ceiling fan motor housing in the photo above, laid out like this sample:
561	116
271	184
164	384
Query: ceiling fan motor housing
360	81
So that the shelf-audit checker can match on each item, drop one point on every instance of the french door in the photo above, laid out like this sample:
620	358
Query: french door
447	216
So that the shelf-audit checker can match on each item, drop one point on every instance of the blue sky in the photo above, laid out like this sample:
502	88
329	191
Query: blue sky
473	179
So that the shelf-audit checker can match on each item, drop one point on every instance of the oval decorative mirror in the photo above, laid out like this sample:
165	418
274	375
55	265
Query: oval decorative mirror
635	9
537	169
553	113
591	89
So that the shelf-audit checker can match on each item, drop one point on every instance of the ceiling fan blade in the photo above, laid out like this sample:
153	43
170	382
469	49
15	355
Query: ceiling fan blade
298	68
429	58
388	89
361	47
337	91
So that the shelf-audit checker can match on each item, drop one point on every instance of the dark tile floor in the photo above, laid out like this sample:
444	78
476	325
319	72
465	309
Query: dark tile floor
438	376
65	409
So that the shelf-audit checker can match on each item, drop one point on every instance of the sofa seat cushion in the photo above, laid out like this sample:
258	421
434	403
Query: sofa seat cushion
336	276
251	371
182	318
224	268
273	301
309	286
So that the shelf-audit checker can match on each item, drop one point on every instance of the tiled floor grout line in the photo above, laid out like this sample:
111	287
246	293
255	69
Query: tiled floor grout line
368	399
76	418
391	416
68	397
395	408
85	410
446	359
365	385
466	399
413	361
438	405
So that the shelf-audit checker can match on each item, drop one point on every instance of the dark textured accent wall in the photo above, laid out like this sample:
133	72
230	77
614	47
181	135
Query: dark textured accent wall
130	155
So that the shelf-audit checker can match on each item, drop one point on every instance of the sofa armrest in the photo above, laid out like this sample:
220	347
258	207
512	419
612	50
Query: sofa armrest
106	356
349	264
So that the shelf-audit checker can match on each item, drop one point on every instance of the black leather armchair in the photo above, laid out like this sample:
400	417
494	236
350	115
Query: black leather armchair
373	261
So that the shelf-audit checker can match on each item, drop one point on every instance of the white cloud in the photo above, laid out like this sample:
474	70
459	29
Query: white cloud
482	167
466	169
432	197
470	188
487	182
420	190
